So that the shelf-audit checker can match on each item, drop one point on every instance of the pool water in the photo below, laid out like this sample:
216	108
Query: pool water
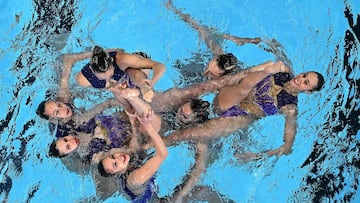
324	165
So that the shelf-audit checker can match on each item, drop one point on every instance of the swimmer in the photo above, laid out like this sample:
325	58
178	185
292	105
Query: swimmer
275	93
222	63
115	66
136	179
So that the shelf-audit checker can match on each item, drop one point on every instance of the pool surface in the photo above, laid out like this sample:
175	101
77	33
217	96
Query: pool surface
324	165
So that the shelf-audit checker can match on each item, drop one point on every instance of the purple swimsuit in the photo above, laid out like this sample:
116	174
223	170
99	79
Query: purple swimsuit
117	132
149	193
264	100
119	75
64	129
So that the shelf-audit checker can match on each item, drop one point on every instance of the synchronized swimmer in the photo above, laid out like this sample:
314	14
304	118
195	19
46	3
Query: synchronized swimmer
115	147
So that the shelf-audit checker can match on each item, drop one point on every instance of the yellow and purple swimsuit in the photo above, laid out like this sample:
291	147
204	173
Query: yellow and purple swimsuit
267	97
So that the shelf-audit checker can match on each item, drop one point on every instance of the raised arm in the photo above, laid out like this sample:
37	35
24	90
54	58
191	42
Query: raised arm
193	177
290	112
144	173
137	62
68	61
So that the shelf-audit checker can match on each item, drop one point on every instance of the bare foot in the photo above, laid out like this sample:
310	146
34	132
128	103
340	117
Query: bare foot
255	40
125	93
277	68
147	93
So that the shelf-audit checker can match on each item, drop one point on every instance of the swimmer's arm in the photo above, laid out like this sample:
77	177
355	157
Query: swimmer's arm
73	58
82	80
290	112
118	50
68	62
144	173
198	169
137	62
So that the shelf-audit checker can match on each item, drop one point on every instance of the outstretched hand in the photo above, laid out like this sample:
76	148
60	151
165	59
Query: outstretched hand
248	156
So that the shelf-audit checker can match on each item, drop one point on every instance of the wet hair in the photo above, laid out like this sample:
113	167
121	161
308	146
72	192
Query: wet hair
200	109
227	62
100	60
53	152
137	159
101	170
40	111
320	83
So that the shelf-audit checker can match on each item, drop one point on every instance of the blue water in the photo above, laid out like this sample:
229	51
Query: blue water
325	163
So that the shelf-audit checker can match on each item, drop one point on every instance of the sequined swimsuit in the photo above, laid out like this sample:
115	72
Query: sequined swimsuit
116	131
150	190
268	95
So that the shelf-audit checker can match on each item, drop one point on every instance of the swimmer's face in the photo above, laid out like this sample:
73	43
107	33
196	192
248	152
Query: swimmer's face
107	74
213	70
185	113
66	145
57	110
305	81
116	163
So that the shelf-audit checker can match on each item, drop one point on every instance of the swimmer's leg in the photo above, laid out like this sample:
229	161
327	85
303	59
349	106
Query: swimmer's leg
138	76
212	129
233	94
138	106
